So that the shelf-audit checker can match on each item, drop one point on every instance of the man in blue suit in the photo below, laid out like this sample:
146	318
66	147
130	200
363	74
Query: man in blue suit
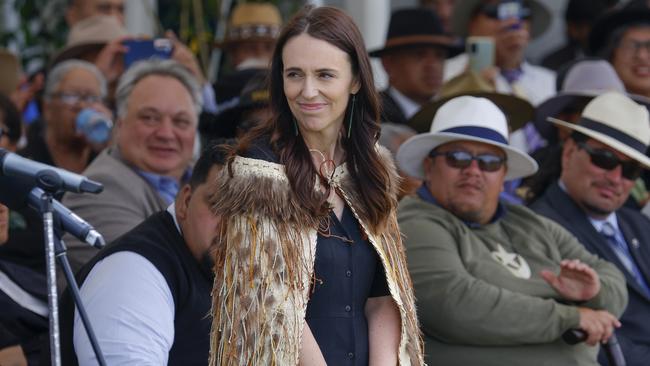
600	162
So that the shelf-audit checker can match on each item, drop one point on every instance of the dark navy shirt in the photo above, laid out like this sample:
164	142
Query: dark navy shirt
346	274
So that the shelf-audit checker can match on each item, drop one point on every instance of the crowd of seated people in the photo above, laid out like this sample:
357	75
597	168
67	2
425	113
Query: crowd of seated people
523	188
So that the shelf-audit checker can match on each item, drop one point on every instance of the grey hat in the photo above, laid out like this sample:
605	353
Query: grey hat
584	80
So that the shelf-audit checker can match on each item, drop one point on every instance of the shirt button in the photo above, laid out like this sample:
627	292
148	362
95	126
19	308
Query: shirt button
350	355
348	273
348	308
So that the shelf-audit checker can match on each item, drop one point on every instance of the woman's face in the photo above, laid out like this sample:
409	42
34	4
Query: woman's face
631	59
318	82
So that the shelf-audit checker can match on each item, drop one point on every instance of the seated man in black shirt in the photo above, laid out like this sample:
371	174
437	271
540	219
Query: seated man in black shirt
148	293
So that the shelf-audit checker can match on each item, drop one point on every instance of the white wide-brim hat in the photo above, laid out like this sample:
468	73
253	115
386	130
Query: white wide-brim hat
617	121
465	118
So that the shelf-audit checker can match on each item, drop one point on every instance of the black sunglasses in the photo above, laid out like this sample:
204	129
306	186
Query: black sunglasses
607	160
463	159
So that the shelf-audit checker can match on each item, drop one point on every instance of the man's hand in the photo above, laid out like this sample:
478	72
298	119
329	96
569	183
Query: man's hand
26	91
110	60
576	281
599	325
185	57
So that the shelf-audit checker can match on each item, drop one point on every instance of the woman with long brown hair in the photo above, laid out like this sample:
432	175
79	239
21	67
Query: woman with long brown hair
311	268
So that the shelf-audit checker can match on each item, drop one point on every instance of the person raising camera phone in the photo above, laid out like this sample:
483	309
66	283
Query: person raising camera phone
511	24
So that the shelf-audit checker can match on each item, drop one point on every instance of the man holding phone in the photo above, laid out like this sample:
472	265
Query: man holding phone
510	24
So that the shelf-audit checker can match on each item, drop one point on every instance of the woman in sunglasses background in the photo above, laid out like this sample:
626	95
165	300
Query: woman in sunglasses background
495	283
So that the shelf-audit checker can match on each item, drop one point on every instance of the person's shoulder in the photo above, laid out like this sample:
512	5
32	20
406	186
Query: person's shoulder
107	166
261	149
414	208
633	215
528	219
520	211
454	66
539	72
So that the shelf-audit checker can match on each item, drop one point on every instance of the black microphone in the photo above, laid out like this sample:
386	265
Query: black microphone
17	193
46	176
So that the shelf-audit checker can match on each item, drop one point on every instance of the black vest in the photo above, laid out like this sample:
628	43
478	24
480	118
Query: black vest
190	283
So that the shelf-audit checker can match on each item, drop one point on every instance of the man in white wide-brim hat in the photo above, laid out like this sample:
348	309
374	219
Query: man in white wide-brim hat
600	162
496	283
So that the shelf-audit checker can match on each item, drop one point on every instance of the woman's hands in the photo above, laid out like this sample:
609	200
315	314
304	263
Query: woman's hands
310	354
384	327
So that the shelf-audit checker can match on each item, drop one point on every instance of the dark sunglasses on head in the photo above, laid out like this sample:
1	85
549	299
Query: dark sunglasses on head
463	159
607	160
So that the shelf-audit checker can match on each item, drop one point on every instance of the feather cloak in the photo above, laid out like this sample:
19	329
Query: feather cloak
264	265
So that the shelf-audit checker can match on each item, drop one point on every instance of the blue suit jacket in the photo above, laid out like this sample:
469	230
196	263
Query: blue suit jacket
634	335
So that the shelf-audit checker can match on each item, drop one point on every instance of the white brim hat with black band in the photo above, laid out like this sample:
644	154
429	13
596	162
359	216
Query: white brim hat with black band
618	122
465	118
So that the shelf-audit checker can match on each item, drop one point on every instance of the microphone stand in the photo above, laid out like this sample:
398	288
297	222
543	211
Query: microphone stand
49	181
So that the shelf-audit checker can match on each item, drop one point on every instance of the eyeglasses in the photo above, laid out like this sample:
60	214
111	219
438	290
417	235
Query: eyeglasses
607	160
73	99
463	159
632	46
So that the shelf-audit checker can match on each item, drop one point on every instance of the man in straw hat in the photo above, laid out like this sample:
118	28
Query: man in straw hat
580	81
248	46
413	57
511	35
600	162
497	284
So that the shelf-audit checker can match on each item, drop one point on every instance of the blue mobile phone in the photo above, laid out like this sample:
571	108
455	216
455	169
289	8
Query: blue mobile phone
142	49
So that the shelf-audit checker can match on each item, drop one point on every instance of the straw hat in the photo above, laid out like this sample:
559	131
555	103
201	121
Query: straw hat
465	118
252	21
88	35
617	121
517	110
463	10
415	27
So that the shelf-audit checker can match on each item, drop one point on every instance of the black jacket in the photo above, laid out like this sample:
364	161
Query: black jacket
634	335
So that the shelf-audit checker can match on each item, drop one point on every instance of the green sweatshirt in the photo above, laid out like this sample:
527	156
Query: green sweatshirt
480	298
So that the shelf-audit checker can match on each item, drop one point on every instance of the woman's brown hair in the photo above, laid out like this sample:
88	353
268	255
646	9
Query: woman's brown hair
368	172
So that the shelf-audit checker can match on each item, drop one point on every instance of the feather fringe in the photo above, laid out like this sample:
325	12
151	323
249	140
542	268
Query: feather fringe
264	266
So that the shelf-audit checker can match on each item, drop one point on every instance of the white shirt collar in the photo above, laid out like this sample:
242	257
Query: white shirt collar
171	209
408	106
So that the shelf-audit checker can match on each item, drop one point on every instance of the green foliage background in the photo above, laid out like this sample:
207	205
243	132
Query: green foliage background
35	29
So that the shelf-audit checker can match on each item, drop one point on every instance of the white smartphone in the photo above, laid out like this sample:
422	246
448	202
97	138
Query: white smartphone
481	52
